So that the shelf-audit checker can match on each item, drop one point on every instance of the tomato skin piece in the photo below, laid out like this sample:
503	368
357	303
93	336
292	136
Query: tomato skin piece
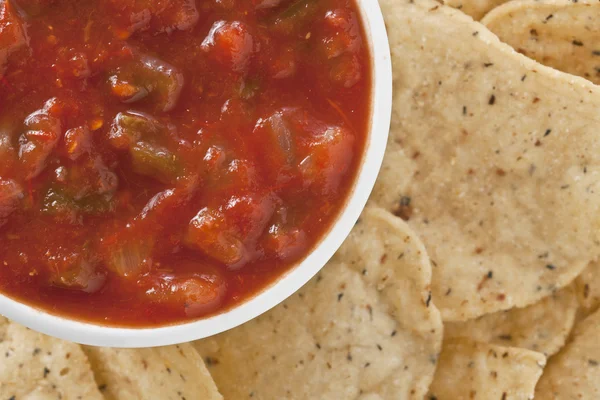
230	44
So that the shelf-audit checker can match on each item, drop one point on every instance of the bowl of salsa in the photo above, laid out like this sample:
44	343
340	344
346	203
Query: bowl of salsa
171	169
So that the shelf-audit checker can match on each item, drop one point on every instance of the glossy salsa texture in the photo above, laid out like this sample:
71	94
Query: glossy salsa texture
163	160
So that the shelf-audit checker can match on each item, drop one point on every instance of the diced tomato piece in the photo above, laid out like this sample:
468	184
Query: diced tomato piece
72	65
345	70
328	160
210	232
147	77
215	159
250	214
276	134
230	44
224	172
230	233
41	137
12	34
198	293
11	194
342	33
77	141
71	270
285	243
156	15
240	174
87	177
161	207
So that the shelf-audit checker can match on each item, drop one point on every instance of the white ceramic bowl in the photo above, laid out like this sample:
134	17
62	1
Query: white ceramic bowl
381	104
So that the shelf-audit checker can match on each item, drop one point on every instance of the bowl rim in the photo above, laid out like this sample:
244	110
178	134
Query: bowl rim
88	333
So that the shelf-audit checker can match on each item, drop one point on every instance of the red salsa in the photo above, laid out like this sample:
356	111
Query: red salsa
164	160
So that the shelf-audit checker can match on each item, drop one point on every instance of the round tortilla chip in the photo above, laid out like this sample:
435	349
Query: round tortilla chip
574	373
475	8
170	373
542	327
363	328
561	34
493	159
40	367
471	370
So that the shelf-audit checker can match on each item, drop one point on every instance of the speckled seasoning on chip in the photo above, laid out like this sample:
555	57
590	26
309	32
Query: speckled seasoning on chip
163	161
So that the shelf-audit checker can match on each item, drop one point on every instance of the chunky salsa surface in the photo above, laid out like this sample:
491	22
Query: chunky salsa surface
163	160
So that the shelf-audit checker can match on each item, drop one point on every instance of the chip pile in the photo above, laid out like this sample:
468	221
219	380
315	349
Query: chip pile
472	274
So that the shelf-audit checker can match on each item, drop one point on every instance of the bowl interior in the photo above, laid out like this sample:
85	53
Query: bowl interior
294	279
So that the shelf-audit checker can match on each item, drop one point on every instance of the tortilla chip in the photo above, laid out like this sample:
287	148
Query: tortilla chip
562	34
471	370
542	327
574	373
364	326
39	367
475	8
500	159
588	289
3	328
166	373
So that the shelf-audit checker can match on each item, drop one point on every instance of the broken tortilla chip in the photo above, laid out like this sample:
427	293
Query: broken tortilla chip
542	327
472	370
364	326
574	373
500	159
561	34
170	373
40	367
474	8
